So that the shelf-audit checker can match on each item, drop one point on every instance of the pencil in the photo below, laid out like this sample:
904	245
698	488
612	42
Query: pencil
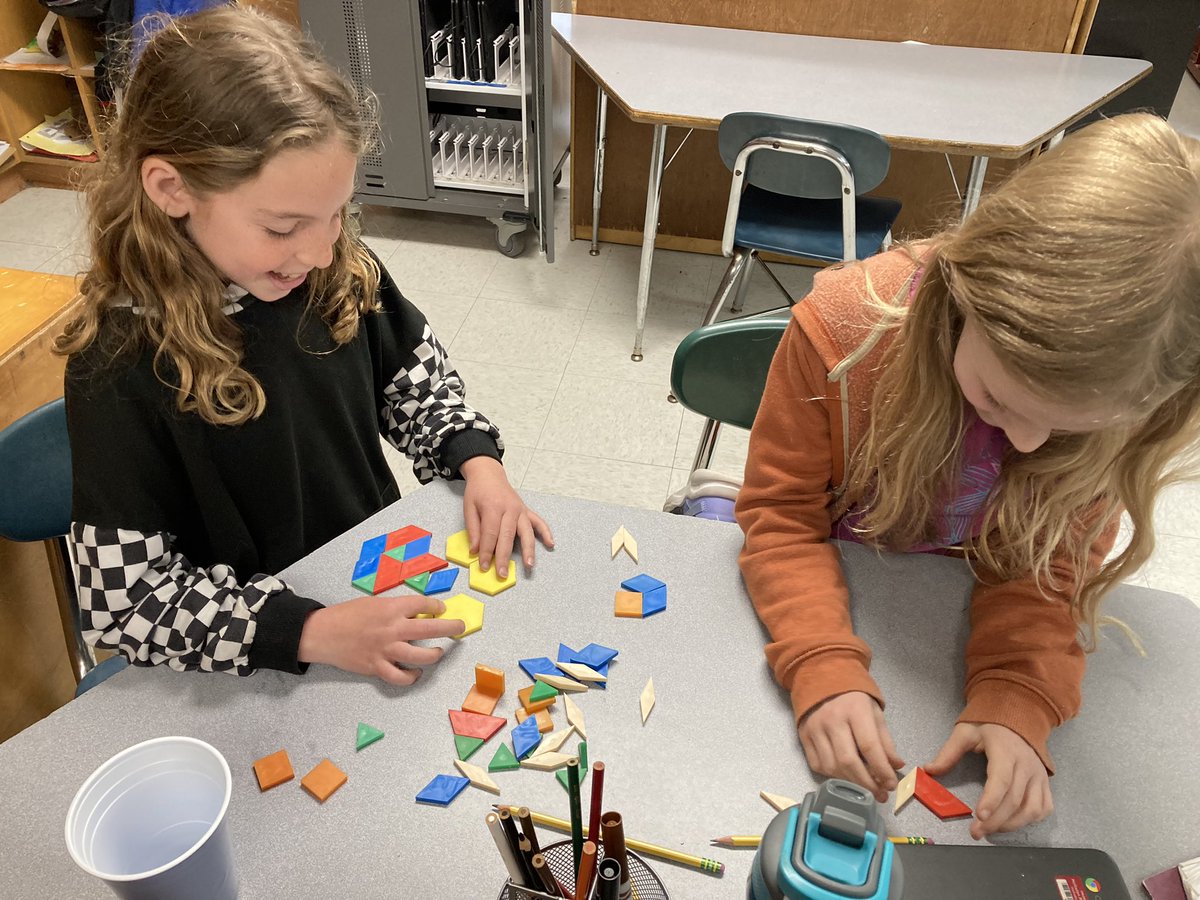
704	864
593	829
515	870
549	885
509	827
527	827
576	815
753	840
587	868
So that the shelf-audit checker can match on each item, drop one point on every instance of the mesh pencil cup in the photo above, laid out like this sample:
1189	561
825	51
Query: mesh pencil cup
561	859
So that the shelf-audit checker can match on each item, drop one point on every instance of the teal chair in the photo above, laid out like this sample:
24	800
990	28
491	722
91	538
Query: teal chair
720	370
35	505
797	190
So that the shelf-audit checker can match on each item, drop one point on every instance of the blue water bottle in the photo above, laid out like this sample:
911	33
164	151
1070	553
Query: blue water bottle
830	847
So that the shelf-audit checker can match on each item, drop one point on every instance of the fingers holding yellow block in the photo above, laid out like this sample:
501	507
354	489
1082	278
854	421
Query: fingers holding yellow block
460	606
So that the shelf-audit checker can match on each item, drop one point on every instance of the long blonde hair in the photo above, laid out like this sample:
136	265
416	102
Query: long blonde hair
1083	273
216	94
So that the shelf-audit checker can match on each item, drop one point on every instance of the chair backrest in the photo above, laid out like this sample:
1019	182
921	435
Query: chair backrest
720	370
35	457
799	175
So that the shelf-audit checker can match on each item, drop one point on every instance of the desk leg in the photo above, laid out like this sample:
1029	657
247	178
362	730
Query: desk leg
598	167
649	233
974	185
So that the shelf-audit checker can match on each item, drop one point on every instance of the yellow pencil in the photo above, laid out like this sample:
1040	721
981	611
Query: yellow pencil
738	840
753	840
702	863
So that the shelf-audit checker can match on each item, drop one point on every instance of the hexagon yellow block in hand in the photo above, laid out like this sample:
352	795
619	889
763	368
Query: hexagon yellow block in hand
489	582
460	606
458	549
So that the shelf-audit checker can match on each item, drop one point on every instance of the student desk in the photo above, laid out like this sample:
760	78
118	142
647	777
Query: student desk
927	97
721	730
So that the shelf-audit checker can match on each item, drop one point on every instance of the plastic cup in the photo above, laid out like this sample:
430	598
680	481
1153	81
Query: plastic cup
150	822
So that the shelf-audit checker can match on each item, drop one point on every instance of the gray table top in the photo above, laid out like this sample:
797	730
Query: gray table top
919	96
721	731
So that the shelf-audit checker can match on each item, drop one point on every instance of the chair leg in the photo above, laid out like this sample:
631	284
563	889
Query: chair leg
728	281
743	287
791	301
82	659
707	445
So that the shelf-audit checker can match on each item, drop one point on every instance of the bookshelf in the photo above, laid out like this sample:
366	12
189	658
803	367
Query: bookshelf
31	92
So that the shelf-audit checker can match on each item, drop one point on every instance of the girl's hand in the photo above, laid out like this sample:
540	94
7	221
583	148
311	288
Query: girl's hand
845	737
496	516
1017	791
371	636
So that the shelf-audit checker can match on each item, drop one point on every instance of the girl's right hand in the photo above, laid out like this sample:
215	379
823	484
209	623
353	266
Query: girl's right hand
845	737
372	635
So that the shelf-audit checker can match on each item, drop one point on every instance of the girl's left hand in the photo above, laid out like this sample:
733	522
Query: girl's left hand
1017	791
496	517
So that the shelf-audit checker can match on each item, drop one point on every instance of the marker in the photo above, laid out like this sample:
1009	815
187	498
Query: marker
703	863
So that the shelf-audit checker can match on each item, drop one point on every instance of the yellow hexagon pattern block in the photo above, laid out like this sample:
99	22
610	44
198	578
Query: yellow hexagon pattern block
489	582
460	606
458	549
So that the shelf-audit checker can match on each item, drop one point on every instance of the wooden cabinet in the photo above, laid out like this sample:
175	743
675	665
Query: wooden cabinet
30	93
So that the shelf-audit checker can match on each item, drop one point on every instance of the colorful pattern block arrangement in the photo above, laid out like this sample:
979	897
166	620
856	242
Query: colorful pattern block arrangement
442	790
388	559
640	596
460	606
490	582
567	655
274	770
323	780
437	582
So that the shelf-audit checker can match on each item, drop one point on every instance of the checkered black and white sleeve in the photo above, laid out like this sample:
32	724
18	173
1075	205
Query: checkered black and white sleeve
139	597
425	405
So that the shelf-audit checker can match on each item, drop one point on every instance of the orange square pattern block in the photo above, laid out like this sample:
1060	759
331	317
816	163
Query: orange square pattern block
323	780
273	770
529	706
628	605
485	693
544	722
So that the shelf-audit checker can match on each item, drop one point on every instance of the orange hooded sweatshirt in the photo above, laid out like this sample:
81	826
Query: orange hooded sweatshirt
1024	663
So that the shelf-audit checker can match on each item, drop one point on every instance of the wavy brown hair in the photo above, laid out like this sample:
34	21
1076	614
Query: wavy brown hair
1083	273
217	94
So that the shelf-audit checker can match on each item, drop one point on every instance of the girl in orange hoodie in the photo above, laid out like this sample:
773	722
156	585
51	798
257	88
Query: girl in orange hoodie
1007	387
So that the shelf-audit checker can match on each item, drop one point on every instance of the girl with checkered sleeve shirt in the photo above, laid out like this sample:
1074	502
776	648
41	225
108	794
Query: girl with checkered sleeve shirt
238	355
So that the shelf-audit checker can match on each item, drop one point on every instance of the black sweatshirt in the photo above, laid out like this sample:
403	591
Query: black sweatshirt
178	523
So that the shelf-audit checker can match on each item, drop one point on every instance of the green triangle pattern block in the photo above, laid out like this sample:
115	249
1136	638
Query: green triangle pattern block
366	584
466	746
561	774
367	735
418	582
504	760
542	691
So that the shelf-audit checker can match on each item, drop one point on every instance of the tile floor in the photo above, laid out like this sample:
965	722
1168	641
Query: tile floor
544	349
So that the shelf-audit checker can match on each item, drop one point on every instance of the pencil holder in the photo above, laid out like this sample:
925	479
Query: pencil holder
561	859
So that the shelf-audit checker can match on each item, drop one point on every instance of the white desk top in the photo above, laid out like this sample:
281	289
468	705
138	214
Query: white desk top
919	96
720	732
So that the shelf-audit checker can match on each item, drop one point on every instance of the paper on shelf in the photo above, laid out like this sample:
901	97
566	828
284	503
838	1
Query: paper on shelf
46	49
60	136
